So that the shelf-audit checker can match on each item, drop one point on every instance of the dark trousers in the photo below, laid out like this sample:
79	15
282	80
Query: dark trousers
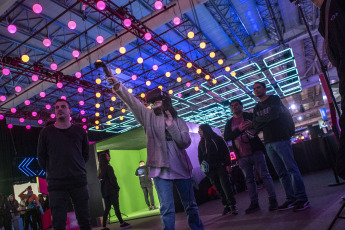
108	201
148	191
58	201
31	218
220	179
341	153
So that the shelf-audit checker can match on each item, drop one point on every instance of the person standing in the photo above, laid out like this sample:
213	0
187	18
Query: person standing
63	150
5	213
214	159
32	204
167	140
146	184
250	151
14	212
277	125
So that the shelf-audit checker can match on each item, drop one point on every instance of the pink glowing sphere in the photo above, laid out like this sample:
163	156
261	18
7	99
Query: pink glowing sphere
80	90
42	94
164	47
6	71
34	78
10	126
177	21
27	102
100	39
47	42
18	89
2	117
52	115
53	66
101	5
82	112
83	119
77	75
155	67
59	85
48	106
179	94
28	127
148	36
37	8
81	103
12	29
158	5
127	22
2	98
40	122
70	118
75	53
72	25
13	110
34	114
63	97
188	84
21	120
134	77
84	126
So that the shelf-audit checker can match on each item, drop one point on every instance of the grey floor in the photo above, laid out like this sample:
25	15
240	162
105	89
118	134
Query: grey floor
325	203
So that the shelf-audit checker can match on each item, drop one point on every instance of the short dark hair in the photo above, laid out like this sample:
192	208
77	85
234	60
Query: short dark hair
261	83
141	161
63	100
236	100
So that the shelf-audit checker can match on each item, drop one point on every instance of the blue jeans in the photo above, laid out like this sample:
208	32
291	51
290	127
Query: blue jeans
250	164
184	187
282	158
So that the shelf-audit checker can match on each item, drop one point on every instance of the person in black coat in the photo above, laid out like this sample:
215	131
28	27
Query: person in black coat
146	184
214	159
110	191
5	213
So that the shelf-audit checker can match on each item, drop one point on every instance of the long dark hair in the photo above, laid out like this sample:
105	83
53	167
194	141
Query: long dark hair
208	133
103	164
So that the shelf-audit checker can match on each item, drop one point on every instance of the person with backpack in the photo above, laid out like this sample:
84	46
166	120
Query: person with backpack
272	117
214	159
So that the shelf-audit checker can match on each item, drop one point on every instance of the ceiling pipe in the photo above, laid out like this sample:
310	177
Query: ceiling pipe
111	44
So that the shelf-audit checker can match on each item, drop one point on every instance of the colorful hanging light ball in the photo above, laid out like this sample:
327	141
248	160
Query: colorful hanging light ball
177	57
53	66
160	87
179	79
13	110
63	97
189	65
84	126
2	98
101	5
196	88
118	70
148	83
113	98
127	22
40	122
158	5
48	106
75	53
177	21
78	75
37	8
220	62
83	119
27	102
190	34
179	94
10	126
214	81
233	74
34	78
202	45
188	84
227	69
134	77
28	127
34	114
47	42
2	117
140	60
18	89
212	54
6	71
12	29
21	120
148	36
164	47
25	58
82	112
80	89
59	85
155	67
170	91
100	39
81	103
52	115
142	95
72	25
167	74
98	81
207	77
42	94
122	50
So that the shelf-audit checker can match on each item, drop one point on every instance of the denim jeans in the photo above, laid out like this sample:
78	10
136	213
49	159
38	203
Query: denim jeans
220	179
184	187
58	201
281	155
250	164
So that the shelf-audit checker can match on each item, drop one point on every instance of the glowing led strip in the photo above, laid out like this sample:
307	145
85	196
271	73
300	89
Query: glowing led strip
222	80
246	68
289	55
278	70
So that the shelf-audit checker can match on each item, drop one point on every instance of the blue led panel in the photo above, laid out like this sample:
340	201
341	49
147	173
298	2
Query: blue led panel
247	70
278	70
279	58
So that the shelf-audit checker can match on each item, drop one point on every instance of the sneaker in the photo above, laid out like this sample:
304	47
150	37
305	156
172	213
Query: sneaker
125	225
226	210
253	207
273	204
234	210
286	206
153	207
150	208
300	205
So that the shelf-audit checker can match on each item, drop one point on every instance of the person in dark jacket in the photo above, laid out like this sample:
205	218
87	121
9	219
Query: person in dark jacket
271	117
146	184
250	151
336	54
110	191
5	213
14	211
214	159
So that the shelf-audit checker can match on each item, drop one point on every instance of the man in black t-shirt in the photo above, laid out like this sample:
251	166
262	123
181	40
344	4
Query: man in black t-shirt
146	184
271	117
63	150
336	54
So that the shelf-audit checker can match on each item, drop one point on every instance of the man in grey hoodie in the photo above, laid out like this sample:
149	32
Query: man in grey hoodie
167	138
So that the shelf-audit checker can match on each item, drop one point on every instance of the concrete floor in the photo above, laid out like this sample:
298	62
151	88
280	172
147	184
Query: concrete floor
325	203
